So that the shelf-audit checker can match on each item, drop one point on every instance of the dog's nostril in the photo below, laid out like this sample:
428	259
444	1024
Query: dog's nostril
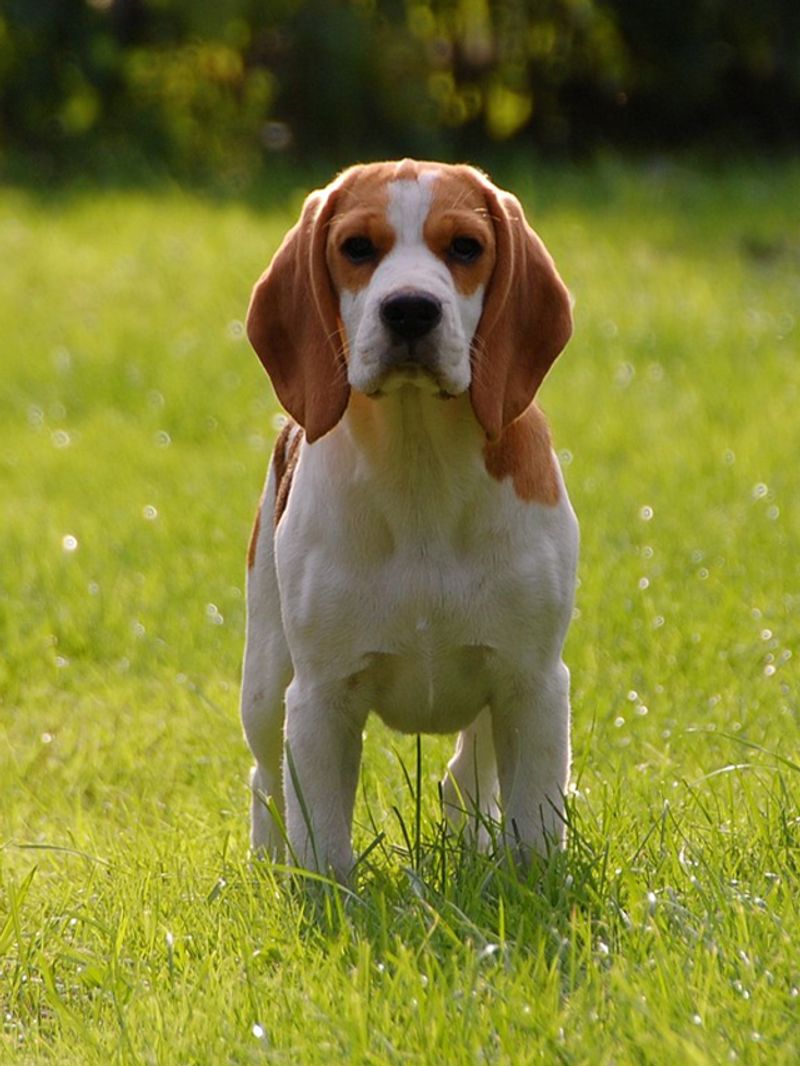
410	315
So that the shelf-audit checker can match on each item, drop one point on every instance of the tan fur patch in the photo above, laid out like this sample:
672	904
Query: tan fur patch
253	545
365	221
458	209
284	459
524	453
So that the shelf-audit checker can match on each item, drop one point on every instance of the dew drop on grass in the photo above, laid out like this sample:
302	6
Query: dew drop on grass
62	359
61	439
760	490
149	512
69	543
624	375
646	513
258	1031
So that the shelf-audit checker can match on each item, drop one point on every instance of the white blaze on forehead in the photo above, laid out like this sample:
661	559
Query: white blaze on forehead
409	205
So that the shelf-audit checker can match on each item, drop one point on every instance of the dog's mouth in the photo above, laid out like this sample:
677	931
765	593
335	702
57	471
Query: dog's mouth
414	374
415	366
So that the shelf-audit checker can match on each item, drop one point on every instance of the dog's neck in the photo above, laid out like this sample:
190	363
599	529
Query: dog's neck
416	435
414	463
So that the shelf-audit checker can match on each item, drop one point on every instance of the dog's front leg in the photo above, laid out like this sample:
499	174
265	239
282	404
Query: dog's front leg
322	758
531	737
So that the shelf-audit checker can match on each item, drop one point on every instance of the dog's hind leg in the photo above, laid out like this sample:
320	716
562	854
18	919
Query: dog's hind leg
266	674
469	788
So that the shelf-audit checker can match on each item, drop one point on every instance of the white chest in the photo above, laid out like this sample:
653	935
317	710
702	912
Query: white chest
424	629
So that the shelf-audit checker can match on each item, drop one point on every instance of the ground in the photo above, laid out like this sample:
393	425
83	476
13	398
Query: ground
135	425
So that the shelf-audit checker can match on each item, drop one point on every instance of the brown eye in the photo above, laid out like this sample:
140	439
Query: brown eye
465	249
359	250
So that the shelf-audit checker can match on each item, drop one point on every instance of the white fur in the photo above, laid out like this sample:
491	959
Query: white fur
404	579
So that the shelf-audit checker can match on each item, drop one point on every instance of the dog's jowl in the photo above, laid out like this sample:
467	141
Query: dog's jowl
415	551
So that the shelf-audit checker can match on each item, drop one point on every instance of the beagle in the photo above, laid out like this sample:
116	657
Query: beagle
415	552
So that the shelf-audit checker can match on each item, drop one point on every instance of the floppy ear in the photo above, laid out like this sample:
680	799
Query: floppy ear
525	323
293	324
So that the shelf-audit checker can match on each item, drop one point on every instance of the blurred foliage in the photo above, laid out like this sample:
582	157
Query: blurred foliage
219	85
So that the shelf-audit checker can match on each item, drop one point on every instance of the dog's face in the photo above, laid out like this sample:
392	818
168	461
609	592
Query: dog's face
409	272
411	259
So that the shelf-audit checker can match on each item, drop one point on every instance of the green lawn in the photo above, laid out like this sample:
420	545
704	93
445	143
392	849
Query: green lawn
135	424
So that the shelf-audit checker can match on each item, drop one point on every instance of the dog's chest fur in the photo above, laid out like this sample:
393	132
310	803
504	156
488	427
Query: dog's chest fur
424	565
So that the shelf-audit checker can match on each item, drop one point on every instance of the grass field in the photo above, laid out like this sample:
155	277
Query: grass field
134	428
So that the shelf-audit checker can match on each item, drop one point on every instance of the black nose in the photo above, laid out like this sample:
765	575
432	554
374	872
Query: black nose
410	315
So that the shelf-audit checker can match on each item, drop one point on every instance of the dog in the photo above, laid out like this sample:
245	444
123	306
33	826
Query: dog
415	550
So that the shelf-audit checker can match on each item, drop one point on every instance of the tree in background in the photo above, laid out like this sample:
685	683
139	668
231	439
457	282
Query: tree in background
217	85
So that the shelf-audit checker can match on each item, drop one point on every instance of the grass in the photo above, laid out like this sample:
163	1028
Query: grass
134	429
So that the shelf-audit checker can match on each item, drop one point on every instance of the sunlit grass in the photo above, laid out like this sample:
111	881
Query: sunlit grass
134	429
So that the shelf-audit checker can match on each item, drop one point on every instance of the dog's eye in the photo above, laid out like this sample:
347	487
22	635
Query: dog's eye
465	249
359	249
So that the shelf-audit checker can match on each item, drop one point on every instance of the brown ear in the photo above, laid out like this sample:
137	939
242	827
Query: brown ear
525	323
293	324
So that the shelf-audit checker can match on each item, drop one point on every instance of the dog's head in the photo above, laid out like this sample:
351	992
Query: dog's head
409	273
